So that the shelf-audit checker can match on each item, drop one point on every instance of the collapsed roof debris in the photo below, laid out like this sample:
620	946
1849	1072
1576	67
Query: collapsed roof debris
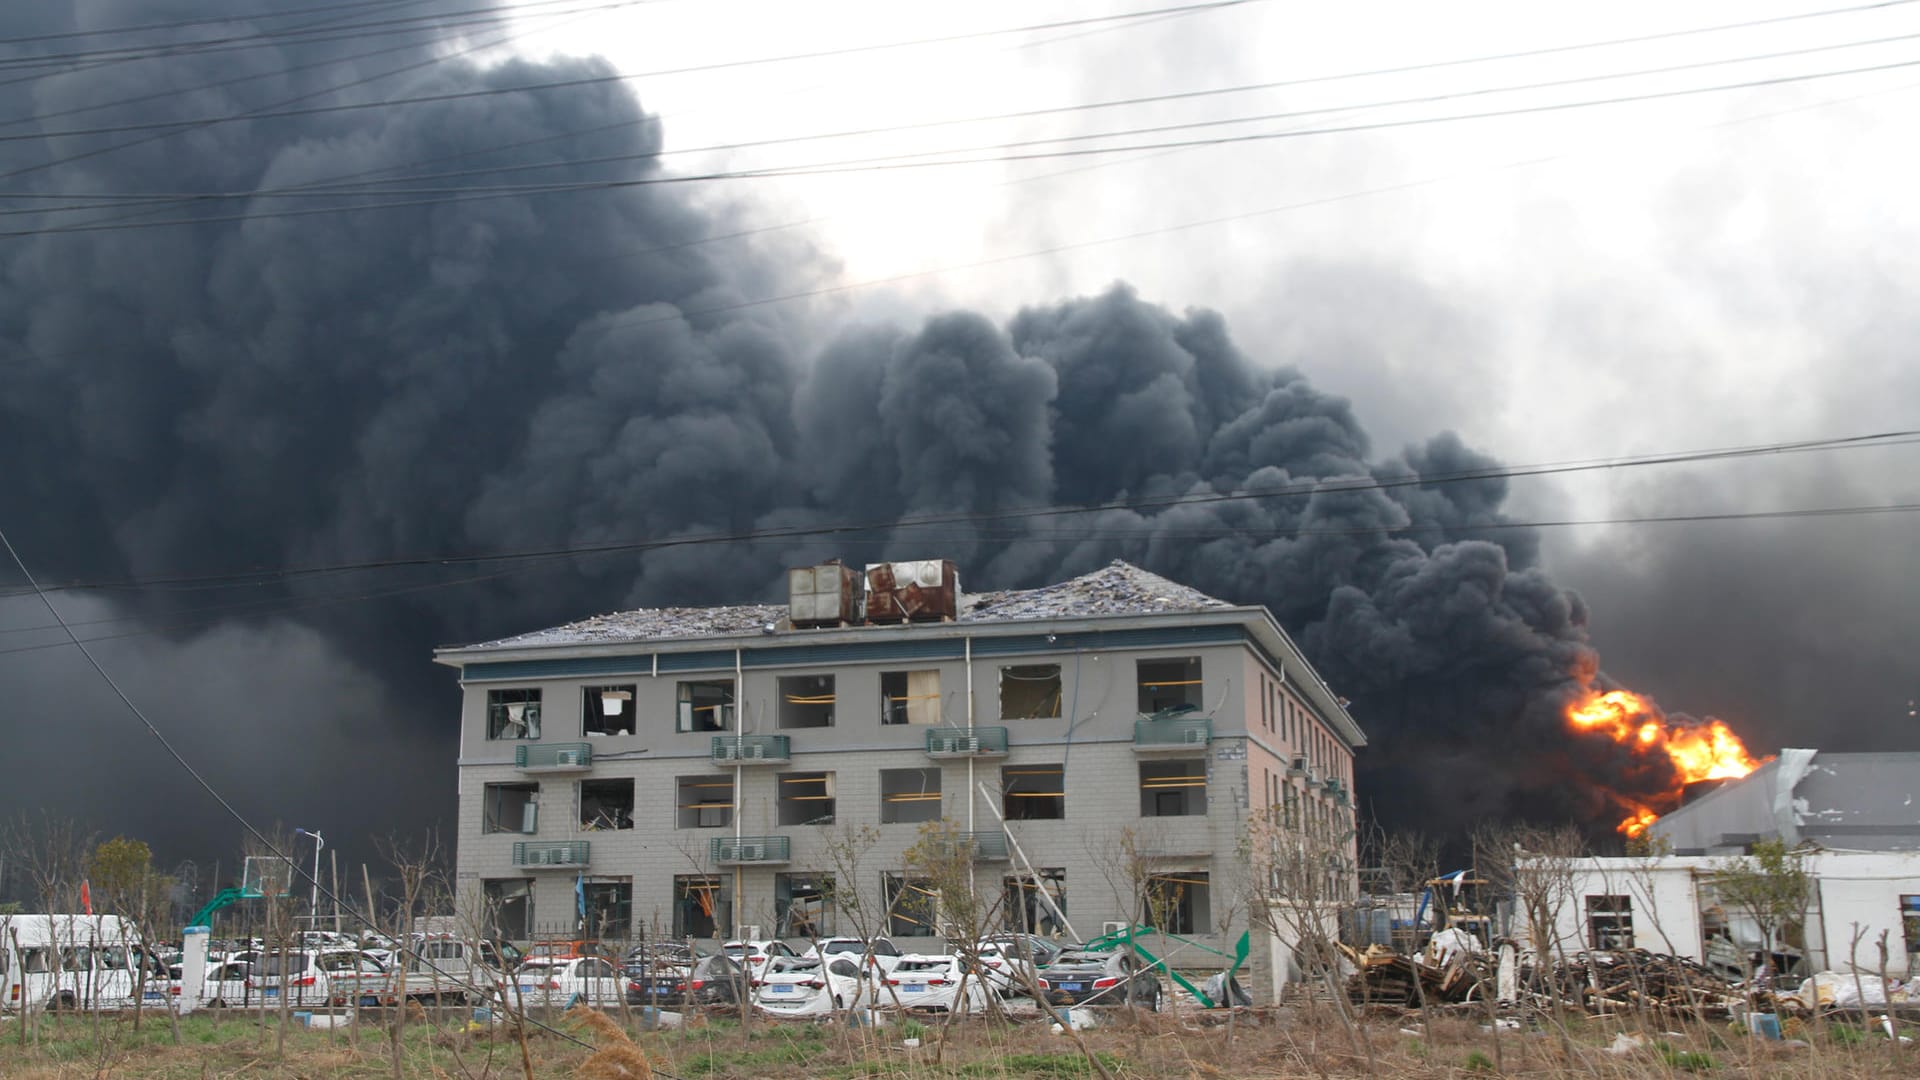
1118	588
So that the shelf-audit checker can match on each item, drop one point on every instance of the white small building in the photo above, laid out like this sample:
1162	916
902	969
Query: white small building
1669	904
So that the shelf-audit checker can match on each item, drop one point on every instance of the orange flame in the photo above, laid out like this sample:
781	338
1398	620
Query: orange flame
1709	751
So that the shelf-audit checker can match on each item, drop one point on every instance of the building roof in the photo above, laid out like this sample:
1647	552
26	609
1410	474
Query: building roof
1839	801
1119	588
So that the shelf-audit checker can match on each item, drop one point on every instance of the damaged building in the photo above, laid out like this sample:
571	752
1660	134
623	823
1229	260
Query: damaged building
1853	815
680	772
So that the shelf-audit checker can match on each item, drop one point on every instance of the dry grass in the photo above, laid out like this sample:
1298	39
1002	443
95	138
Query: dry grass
1283	1046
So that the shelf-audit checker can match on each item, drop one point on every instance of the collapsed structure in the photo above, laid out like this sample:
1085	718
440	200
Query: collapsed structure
682	772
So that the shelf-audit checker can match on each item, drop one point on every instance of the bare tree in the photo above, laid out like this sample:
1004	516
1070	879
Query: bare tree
420	868
52	851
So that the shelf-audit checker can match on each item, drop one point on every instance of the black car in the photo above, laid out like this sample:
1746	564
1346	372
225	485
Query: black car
661	954
1100	978
712	980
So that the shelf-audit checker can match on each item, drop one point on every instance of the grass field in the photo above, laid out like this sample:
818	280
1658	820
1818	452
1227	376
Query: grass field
1287	1044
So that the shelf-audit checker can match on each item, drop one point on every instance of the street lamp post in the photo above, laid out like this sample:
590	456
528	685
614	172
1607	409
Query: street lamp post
313	904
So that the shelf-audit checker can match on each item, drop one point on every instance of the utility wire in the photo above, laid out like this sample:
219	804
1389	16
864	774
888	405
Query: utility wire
1303	489
1145	534
895	163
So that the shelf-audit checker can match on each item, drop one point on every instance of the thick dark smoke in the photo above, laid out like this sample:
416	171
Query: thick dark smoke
497	374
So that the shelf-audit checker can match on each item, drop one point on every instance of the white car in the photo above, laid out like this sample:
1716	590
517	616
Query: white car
1003	967
933	983
752	956
798	986
560	982
885	952
225	986
306	976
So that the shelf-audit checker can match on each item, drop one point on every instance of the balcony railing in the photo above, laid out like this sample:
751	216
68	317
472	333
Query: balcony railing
1171	736
726	850
967	742
554	757
984	846
559	855
751	749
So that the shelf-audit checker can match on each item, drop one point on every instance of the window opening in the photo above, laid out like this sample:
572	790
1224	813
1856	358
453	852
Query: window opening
1026	912
910	697
1173	788
806	798
509	908
511	808
513	714
608	710
1169	684
913	906
609	908
1610	922
1033	792
806	701
909	795
1178	903
1910	923
606	804
1029	691
803	905
705	705
704	802
702	905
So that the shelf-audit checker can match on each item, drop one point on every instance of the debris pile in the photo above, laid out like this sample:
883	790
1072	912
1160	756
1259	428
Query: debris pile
1119	588
1635	979
1385	977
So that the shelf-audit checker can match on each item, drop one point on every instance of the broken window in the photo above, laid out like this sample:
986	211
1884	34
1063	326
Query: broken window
513	714
806	798
511	808
706	705
1036	902
704	802
1169	684
1610	922
609	908
608	710
1910	923
702	906
803	905
1029	691
606	804
1178	903
806	701
509	908
910	697
1173	788
909	795
1033	792
913	906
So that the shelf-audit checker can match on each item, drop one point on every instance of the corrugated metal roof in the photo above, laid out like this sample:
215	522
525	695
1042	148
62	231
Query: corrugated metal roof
1118	588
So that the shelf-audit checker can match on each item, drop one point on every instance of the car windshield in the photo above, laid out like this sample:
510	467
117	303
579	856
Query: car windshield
271	965
1080	960
787	964
845	947
940	965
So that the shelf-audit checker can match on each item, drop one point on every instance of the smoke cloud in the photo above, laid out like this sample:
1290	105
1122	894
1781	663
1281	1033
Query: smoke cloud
486	374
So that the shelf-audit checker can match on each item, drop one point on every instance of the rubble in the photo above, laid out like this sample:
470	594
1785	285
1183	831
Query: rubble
1119	588
1385	977
1629	979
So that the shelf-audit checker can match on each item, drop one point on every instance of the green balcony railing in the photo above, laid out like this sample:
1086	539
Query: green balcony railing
750	849
559	854
1171	734
747	749
985	846
966	742
565	755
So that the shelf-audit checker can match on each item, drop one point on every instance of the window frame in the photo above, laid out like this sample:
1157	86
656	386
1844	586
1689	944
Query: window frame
499	713
1008	674
1191	681
791	794
1031	800
901	707
702	808
593	708
687	706
490	822
893	796
798	704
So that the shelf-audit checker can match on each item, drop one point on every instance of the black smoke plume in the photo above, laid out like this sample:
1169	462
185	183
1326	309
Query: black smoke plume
270	386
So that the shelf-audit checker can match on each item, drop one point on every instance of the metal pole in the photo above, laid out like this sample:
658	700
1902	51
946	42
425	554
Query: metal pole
313	903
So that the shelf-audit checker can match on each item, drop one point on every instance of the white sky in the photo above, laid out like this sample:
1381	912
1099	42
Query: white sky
1689	272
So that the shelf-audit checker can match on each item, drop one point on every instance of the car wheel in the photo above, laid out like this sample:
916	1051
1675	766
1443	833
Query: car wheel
1153	999
217	1003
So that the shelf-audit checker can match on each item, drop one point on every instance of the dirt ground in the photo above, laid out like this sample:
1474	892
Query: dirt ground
1287	1043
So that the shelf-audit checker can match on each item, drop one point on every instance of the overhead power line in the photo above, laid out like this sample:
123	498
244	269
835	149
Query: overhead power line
1303	489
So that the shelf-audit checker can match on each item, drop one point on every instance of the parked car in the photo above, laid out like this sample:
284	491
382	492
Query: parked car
712	980
753	955
307	976
225	985
1007	963
1114	977
560	982
808	986
885	952
566	950
933	984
